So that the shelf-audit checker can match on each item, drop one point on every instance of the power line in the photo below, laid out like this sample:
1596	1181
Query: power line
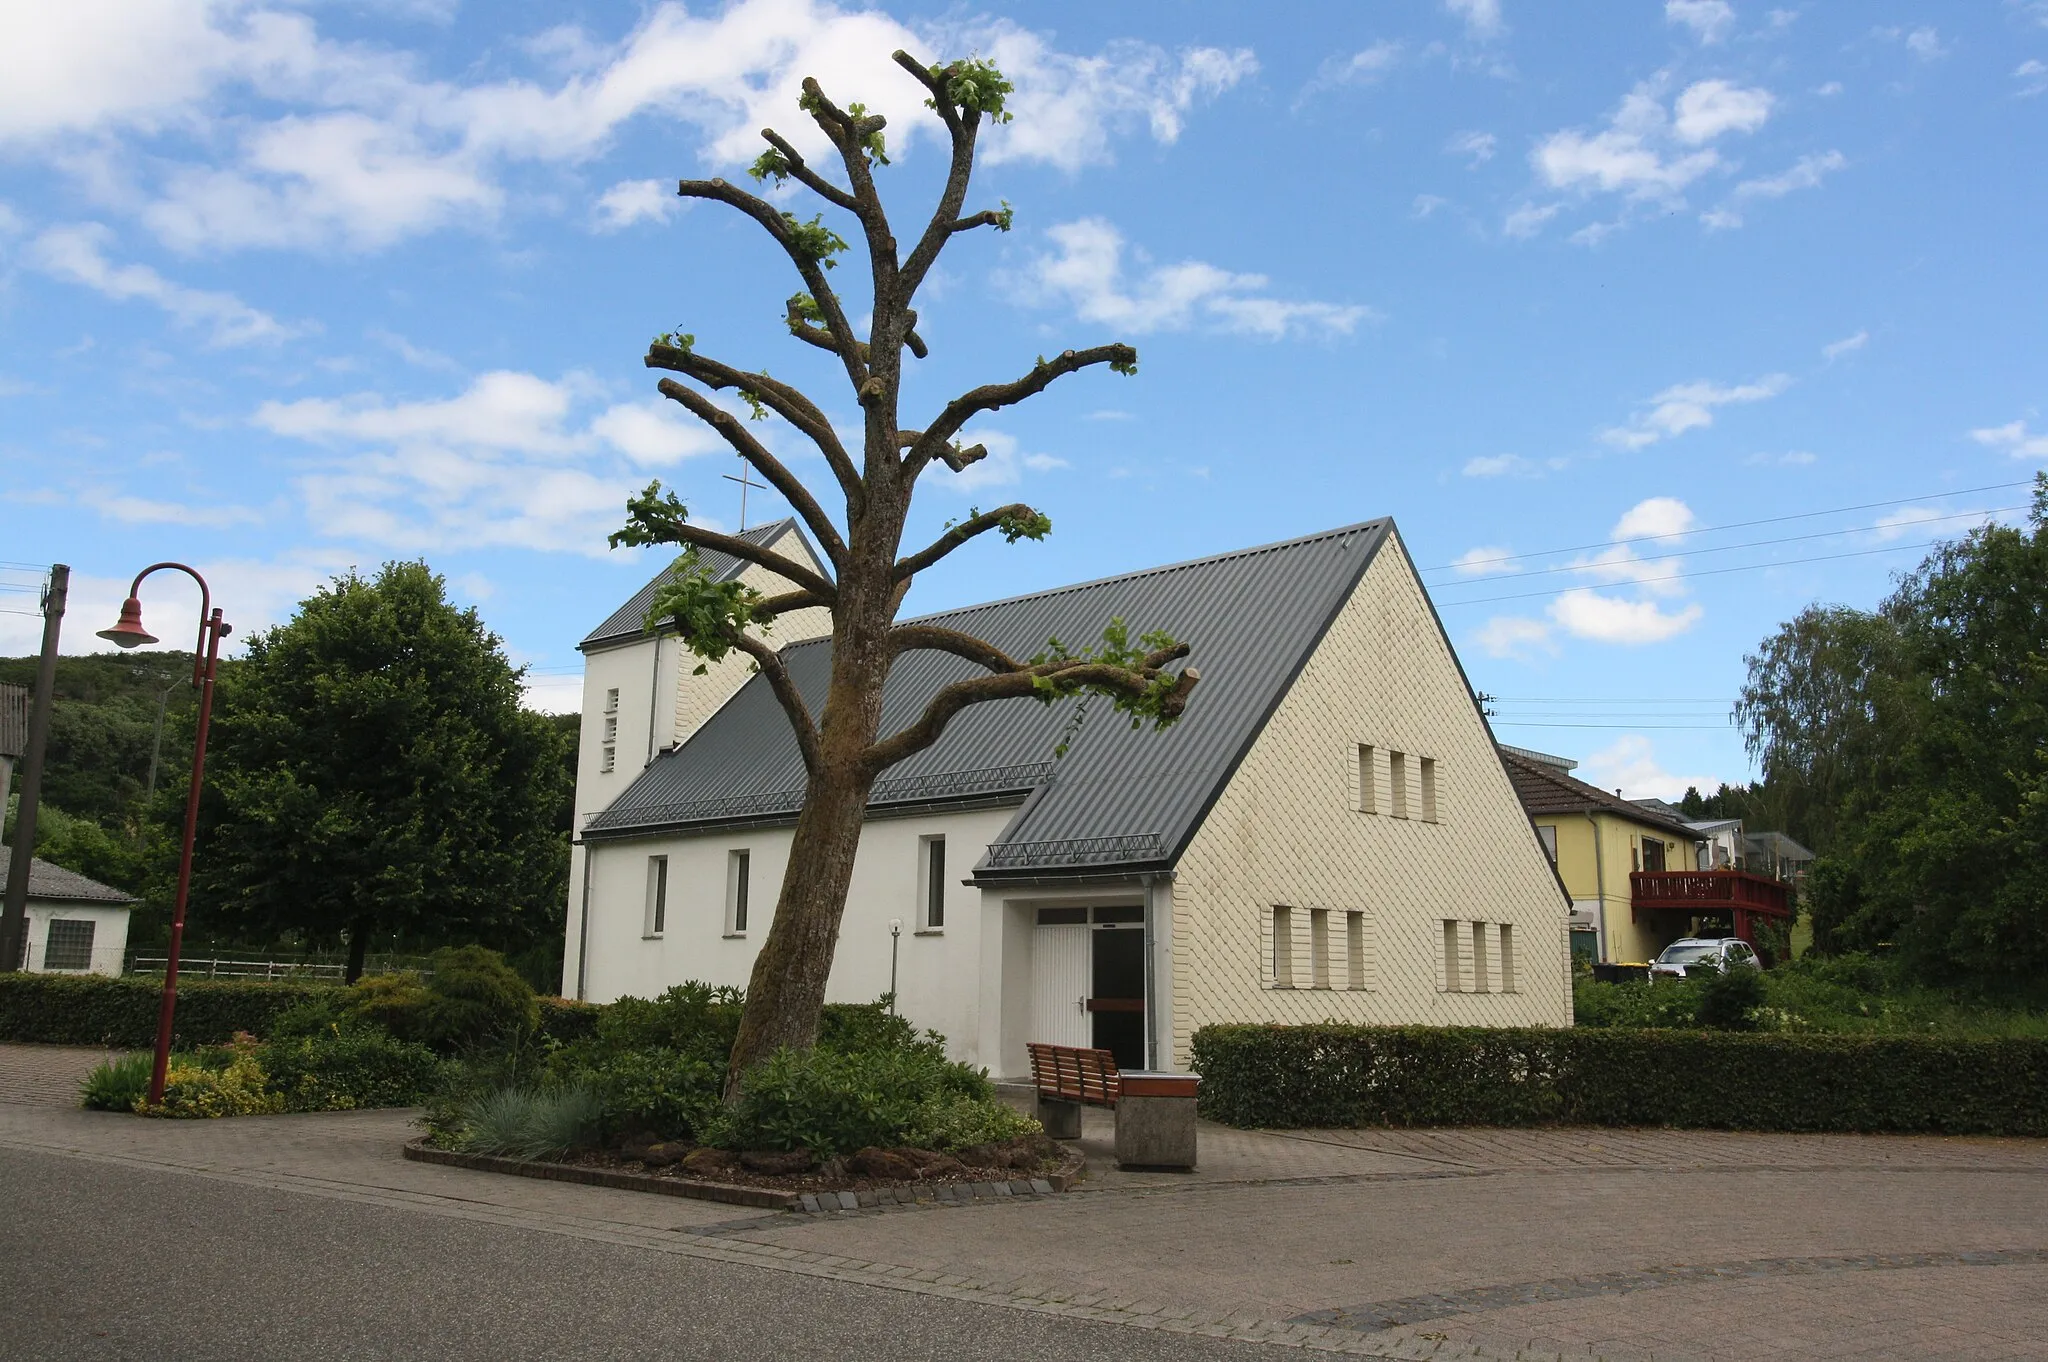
1740	524
1716	548
1710	572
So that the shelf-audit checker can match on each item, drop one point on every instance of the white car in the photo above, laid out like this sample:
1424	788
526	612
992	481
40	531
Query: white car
1722	953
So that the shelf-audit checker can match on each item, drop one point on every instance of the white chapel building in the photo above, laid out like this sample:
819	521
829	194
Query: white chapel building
1327	834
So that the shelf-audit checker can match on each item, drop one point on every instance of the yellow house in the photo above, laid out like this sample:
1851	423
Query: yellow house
1602	845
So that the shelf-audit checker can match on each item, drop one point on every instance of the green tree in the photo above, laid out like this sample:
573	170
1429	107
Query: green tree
1920	734
843	750
371	772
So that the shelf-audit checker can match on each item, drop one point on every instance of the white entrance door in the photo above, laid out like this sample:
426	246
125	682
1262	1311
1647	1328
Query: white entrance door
1059	985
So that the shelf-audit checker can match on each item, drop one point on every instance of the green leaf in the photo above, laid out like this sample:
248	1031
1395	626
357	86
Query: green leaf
974	86
814	240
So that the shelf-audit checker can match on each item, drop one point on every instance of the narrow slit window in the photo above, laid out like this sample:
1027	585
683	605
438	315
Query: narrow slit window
1397	784
1368	792
1453	971
1426	769
608	759
739	870
611	728
1547	834
1318	948
934	876
1283	948
1507	958
657	896
611	700
1354	950
1482	973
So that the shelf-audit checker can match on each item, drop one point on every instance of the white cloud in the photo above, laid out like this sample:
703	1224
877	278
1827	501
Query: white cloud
1514	636
1528	219
1906	518
2015	439
1478	146
1720	219
1497	465
1806	174
506	462
1689	406
654	432
1791	458
357	149
1488	559
133	510
1647	151
1834	350
1714	108
1363	67
77	254
1630	765
631	201
1923	41
1585	613
2032	75
1482	17
1087	271
1709	20
253	595
1426	204
1004	465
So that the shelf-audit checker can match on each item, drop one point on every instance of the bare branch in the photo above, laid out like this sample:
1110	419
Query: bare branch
1073	673
959	534
813	272
786	603
911	637
994	396
675	531
770	663
988	217
787	402
808	177
958	173
735	434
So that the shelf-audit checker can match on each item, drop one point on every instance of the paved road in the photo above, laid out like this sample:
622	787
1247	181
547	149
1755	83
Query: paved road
121	1262
309	1235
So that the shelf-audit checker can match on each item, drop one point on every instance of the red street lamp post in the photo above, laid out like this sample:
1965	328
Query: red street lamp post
129	633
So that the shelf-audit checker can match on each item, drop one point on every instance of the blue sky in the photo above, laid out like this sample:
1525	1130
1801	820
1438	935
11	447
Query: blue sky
285	288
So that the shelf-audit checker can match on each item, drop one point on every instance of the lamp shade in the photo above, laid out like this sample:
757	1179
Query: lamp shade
129	633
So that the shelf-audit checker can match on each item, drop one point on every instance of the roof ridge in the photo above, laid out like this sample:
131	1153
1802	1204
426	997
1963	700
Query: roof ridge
1359	527
1584	789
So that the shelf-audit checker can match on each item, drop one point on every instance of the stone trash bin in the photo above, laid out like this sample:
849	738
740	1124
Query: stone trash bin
1155	1120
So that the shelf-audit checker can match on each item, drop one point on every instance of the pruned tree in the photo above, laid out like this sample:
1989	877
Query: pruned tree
842	747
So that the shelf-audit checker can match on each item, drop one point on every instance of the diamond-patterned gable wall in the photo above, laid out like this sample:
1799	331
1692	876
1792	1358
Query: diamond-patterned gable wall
1287	831
699	697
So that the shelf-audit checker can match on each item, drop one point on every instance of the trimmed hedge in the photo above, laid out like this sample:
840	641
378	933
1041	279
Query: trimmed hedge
1334	1075
93	1009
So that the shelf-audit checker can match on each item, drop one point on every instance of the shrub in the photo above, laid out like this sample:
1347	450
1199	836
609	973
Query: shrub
396	1002
348	1067
955	1122
672	1094
565	1020
1334	1075
117	1084
476	999
529	1123
1729	999
72	1009
240	1088
836	1102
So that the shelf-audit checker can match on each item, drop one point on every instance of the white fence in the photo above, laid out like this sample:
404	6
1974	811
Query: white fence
238	967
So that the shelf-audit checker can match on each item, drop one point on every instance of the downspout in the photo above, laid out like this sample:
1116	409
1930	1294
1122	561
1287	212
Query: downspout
1599	880
653	697
1151	992
583	925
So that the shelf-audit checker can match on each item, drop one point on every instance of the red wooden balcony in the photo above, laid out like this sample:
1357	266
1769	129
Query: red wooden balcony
1706	891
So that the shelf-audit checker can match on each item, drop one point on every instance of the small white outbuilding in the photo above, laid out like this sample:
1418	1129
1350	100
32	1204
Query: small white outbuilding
75	925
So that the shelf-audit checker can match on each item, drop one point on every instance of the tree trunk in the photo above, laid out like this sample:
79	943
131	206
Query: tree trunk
787	990
358	947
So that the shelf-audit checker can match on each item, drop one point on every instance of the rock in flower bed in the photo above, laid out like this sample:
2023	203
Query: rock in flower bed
804	1170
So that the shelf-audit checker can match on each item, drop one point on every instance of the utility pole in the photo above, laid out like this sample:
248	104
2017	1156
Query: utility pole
14	921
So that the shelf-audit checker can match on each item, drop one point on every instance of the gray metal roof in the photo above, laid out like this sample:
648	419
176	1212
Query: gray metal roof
629	621
1118	798
46	881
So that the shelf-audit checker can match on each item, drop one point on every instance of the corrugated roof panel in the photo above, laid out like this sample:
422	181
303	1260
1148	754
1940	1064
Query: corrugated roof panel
1251	618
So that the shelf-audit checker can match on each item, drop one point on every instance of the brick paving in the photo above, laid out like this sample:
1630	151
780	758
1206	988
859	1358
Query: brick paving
1279	1228
47	1075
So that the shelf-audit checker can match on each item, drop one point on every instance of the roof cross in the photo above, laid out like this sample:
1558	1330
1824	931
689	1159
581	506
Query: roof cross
744	483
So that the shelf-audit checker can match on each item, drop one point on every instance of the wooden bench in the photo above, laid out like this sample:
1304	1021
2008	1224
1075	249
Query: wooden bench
1068	1078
